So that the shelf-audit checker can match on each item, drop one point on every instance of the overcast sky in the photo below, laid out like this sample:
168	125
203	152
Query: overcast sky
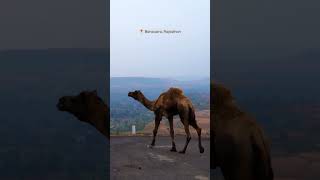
41	24
160	55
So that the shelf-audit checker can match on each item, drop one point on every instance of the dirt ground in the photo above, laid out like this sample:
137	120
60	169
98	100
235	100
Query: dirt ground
131	158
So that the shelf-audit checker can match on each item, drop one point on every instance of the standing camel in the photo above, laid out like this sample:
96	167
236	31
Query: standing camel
89	108
170	103
239	146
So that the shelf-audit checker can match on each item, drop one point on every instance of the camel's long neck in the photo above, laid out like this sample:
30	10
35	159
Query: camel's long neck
147	103
100	121
226	112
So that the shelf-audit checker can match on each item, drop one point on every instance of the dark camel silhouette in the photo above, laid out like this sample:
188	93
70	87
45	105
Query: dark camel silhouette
239	146
89	108
170	103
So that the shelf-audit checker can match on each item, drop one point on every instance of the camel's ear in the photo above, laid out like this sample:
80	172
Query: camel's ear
95	92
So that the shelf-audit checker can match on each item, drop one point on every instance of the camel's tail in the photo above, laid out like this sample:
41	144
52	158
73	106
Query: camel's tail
261	156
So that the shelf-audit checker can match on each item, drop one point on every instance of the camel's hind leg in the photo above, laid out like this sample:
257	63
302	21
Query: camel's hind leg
198	129
185	122
186	128
155	130
173	149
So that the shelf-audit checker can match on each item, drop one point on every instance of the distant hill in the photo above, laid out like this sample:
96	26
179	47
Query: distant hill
133	83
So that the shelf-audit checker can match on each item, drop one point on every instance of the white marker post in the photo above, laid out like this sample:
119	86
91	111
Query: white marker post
133	129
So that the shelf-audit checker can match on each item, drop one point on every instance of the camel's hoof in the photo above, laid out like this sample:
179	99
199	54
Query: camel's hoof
182	152
173	149
201	149
150	146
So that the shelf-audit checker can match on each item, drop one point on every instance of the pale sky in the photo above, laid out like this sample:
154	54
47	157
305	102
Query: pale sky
160	55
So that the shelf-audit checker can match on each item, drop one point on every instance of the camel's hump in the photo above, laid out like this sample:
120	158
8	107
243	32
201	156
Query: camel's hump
175	90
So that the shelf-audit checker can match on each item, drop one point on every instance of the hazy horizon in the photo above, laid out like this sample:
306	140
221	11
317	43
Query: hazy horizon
181	78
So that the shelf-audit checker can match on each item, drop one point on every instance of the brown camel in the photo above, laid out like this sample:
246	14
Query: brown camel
170	103
89	108
239	148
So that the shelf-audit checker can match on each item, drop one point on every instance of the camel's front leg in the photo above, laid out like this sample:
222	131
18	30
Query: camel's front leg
173	149
155	130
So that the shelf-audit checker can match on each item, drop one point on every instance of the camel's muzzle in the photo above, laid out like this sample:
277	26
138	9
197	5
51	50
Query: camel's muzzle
61	104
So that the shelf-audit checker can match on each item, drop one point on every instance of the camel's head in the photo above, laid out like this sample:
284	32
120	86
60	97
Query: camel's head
221	96
80	105
137	95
